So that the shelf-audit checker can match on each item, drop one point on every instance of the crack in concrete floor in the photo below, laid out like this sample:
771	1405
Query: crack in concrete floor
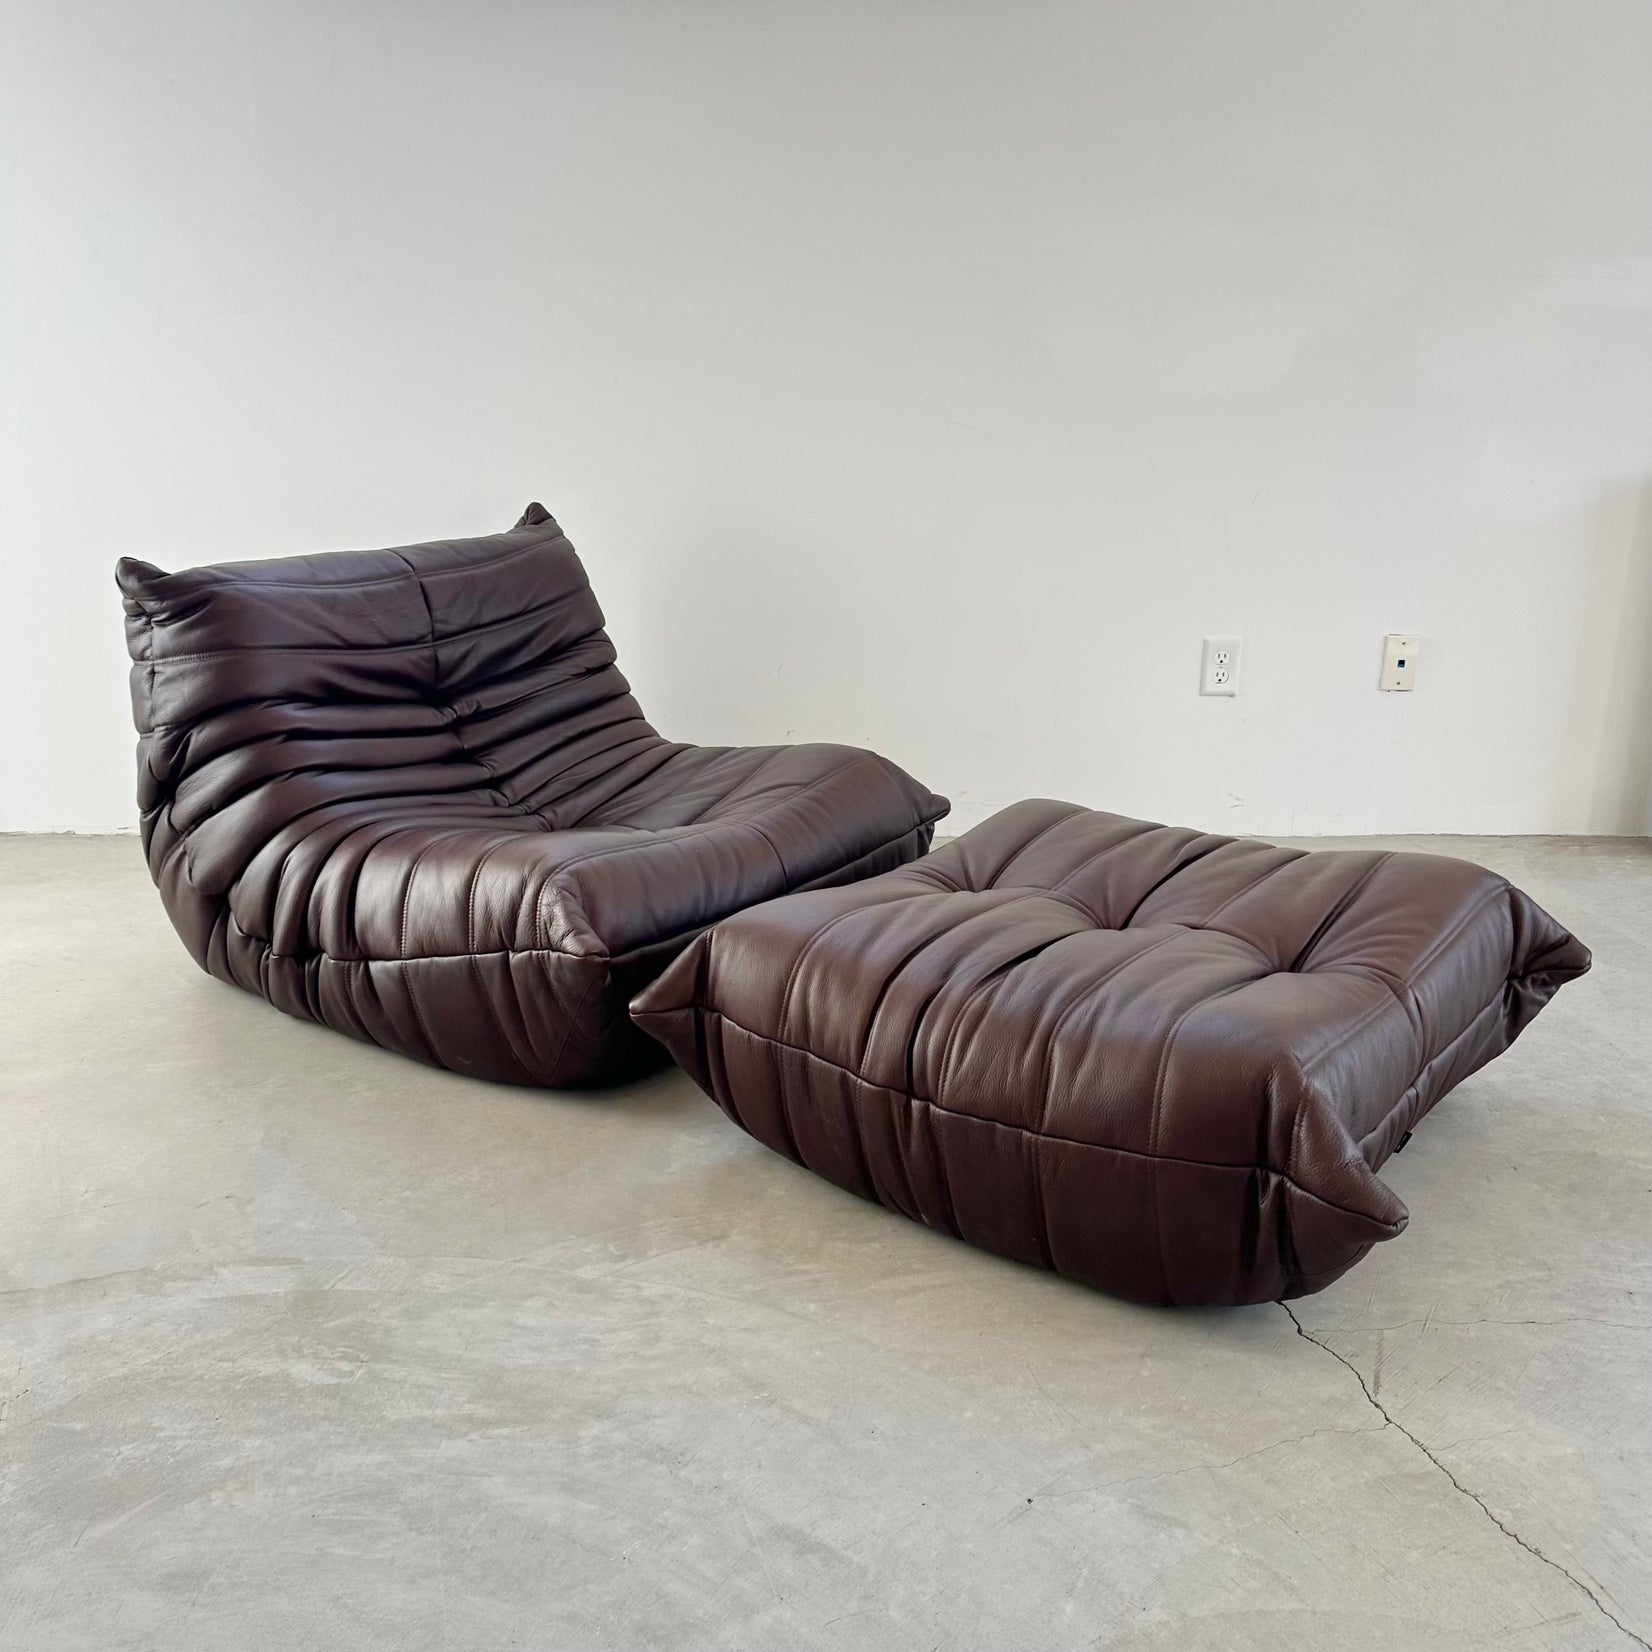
1473	1496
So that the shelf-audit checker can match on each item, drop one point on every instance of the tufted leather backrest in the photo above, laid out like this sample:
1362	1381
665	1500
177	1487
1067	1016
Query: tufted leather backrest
424	623
464	678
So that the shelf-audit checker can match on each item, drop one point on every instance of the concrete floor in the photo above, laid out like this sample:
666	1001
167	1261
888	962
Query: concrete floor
305	1346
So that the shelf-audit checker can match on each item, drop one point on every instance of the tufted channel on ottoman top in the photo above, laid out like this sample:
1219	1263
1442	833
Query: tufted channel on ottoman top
1163	1062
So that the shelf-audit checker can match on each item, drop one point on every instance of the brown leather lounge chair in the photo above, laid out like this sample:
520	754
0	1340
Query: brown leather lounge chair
407	793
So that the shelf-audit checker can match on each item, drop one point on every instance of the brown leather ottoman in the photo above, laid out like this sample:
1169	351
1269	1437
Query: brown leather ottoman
1162	1062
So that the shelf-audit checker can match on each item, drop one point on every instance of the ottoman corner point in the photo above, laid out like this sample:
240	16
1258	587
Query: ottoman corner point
1159	1061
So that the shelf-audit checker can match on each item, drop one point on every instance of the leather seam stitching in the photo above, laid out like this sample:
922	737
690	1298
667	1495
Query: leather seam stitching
205	583
1254	884
320	954
464	634
430	622
1169	877
1021	849
475	960
573	1022
680	834
1249	1168
979	991
1340	909
745	780
802	953
1047	1060
1059	888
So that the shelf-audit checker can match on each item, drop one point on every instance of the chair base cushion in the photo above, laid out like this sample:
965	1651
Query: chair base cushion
499	957
1162	1062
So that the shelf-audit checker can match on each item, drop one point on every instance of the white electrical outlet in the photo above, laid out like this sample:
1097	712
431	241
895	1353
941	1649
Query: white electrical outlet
1220	663
1399	664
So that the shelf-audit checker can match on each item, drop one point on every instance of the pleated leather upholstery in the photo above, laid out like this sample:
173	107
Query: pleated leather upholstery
1159	1061
408	793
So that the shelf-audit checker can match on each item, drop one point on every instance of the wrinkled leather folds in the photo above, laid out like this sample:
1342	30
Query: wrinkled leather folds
408	793
1159	1061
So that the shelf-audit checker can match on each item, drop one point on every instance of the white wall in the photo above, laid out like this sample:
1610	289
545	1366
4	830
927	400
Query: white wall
923	375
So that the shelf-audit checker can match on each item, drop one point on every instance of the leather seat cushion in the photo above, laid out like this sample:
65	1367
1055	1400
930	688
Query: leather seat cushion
1159	1061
